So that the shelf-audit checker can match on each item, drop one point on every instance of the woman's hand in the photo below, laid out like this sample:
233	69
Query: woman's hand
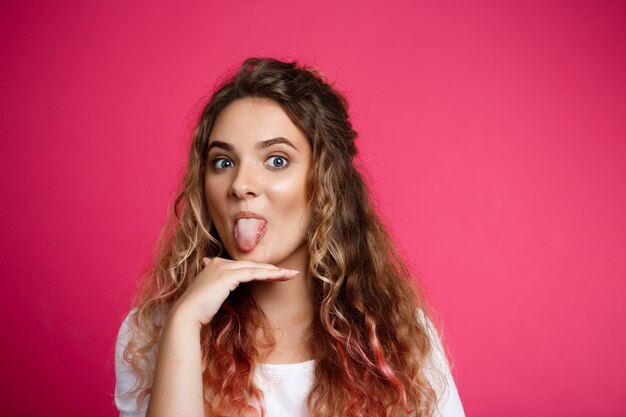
177	388
219	276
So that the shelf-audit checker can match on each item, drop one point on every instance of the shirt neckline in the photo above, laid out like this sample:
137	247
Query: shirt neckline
288	368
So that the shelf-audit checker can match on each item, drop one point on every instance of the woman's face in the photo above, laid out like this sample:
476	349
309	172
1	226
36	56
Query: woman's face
256	168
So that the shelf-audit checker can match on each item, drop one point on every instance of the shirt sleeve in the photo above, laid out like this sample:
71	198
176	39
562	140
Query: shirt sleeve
125	376
449	404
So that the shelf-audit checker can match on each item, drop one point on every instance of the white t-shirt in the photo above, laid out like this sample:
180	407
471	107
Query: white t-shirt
285	387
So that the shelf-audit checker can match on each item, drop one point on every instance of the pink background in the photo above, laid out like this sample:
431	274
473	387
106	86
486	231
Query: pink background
494	134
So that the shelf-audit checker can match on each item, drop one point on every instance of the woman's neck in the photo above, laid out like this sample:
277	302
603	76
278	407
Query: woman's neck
290	309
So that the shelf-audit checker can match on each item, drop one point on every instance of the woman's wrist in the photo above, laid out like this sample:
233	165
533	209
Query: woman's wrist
180	316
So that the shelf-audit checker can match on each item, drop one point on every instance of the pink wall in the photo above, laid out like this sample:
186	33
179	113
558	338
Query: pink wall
494	134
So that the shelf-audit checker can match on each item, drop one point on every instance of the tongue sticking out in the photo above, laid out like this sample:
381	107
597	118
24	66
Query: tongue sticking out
248	232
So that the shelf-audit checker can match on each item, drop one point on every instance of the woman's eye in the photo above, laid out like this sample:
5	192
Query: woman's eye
222	163
277	161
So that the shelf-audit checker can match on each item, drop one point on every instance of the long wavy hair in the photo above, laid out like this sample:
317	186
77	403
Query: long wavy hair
370	348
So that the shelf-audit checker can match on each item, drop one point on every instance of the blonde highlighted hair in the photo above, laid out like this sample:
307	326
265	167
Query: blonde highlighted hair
370	348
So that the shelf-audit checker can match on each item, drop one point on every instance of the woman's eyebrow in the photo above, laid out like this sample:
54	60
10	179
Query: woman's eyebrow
275	141
260	145
220	144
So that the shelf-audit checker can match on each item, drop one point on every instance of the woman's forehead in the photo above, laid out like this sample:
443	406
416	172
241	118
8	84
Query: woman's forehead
256	122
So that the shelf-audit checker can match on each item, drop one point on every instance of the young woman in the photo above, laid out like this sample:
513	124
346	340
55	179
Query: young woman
277	290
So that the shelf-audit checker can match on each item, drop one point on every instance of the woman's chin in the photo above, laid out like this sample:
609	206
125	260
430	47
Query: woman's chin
262	253
255	255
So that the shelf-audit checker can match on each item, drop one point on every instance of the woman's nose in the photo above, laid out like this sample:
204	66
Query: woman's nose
245	182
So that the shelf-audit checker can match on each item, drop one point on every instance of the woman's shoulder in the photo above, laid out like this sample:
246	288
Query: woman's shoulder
438	372
124	331
126	377
127	327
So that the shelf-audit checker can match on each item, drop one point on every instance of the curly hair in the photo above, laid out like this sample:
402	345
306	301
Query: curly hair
369	346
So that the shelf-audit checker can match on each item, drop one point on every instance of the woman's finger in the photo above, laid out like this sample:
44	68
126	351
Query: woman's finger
230	264
261	274
249	264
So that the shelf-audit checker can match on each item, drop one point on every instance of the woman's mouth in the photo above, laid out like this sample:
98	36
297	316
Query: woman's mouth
248	229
